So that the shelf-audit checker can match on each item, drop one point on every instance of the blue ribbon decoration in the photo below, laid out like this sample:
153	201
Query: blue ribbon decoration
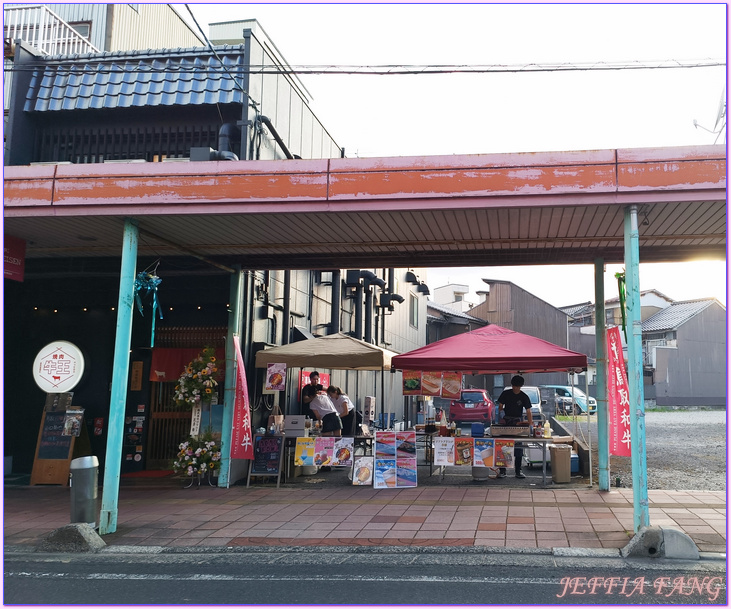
146	284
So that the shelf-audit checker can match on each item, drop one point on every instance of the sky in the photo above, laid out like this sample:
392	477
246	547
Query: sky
429	114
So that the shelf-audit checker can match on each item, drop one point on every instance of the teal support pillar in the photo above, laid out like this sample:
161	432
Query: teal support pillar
634	368
602	405
229	390
120	374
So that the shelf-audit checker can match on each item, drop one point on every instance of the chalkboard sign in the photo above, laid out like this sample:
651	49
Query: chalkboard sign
267	456
53	451
53	444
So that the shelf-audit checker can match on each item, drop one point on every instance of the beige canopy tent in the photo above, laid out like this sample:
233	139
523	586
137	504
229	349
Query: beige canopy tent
335	351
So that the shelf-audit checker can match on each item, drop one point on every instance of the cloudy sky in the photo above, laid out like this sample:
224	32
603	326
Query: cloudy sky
516	110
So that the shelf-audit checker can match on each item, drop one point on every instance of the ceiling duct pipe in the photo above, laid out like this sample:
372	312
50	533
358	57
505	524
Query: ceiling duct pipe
359	311
370	279
274	133
286	311
335	306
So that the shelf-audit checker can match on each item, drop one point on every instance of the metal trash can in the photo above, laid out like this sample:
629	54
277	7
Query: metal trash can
560	463
84	483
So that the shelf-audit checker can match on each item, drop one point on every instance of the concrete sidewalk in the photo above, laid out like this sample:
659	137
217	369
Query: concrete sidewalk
312	515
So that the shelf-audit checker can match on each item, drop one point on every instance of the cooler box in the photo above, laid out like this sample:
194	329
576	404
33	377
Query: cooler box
534	455
294	426
560	463
574	463
478	430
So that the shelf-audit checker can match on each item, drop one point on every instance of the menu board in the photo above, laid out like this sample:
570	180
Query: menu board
363	471
451	385
53	451
504	453
464	449
267	455
412	382
304	451
484	452
395	462
431	383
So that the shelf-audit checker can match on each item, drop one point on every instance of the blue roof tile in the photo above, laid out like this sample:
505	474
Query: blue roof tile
191	76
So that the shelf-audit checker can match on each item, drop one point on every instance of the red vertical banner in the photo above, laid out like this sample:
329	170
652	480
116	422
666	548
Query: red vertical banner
242	446
617	397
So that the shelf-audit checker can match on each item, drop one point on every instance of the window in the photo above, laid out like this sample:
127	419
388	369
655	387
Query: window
413	311
83	28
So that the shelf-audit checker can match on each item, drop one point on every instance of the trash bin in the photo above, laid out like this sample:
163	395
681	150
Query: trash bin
560	463
84	476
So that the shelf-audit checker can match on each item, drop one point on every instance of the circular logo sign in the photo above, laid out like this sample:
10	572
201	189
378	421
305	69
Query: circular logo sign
58	367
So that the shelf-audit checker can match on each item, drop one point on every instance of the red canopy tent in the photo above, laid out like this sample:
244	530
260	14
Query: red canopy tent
491	350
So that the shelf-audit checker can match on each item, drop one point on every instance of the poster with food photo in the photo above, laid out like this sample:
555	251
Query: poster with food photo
304	451
405	472
343	452
363	471
412	382
463	451
484	452
385	473
406	444
324	448
431	383
451	385
276	373
504	453
385	444
443	451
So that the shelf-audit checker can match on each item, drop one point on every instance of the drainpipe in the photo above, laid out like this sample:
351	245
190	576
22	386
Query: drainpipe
335	306
285	312
359	311
279	140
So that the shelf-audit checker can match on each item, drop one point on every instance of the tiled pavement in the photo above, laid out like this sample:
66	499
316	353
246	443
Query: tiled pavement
350	515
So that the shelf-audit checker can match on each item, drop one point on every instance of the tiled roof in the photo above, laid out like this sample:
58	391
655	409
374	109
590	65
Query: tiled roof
675	315
191	76
449	312
573	310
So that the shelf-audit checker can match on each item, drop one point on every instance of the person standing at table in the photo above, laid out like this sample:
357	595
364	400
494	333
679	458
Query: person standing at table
346	409
511	404
326	412
309	392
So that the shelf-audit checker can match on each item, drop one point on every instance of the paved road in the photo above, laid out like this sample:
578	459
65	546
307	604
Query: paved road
344	576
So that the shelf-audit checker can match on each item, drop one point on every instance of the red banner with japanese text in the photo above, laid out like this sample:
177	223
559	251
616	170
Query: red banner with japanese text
617	397
242	446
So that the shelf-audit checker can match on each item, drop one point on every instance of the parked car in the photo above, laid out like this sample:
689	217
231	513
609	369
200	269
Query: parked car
473	406
564	402
534	393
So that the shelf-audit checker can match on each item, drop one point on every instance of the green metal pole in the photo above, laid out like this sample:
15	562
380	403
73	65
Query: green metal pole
229	390
634	371
602	414
120	373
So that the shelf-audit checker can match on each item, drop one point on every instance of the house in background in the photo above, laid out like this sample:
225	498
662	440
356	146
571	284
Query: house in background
683	347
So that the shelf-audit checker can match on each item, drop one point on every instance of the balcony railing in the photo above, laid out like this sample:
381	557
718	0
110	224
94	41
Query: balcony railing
43	29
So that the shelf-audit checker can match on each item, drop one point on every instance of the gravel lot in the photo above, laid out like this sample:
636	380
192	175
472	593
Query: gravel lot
686	450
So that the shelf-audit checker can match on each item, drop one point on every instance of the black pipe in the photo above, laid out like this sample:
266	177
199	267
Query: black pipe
359	312
279	140
335	305
368	313
285	312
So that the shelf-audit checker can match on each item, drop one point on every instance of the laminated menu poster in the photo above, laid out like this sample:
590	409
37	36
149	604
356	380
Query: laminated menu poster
406	444
451	385
431	383
463	451
343	452
444	451
504	453
363	471
324	450
276	373
385	444
405	472
412	382
304	451
385	473
484	452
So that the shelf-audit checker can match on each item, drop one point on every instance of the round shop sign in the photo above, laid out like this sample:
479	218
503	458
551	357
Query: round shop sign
58	367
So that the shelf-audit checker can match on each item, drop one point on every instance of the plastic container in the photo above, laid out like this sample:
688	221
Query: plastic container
84	483
574	463
478	430
546	430
560	463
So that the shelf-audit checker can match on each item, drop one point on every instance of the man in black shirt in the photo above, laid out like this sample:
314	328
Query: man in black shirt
511	404
309	392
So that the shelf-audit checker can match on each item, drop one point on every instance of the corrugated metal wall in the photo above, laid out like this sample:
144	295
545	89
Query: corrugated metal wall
149	26
95	13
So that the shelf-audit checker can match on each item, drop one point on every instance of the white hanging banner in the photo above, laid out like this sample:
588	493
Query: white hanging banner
195	420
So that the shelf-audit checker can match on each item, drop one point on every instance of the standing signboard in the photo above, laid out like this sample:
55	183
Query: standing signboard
268	451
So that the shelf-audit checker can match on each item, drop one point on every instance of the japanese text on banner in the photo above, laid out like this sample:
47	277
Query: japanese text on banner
242	446
617	397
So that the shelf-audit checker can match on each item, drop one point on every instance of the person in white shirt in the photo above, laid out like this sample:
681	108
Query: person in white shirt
346	409
323	408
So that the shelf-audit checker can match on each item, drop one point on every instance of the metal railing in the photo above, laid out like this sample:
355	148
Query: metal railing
44	30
